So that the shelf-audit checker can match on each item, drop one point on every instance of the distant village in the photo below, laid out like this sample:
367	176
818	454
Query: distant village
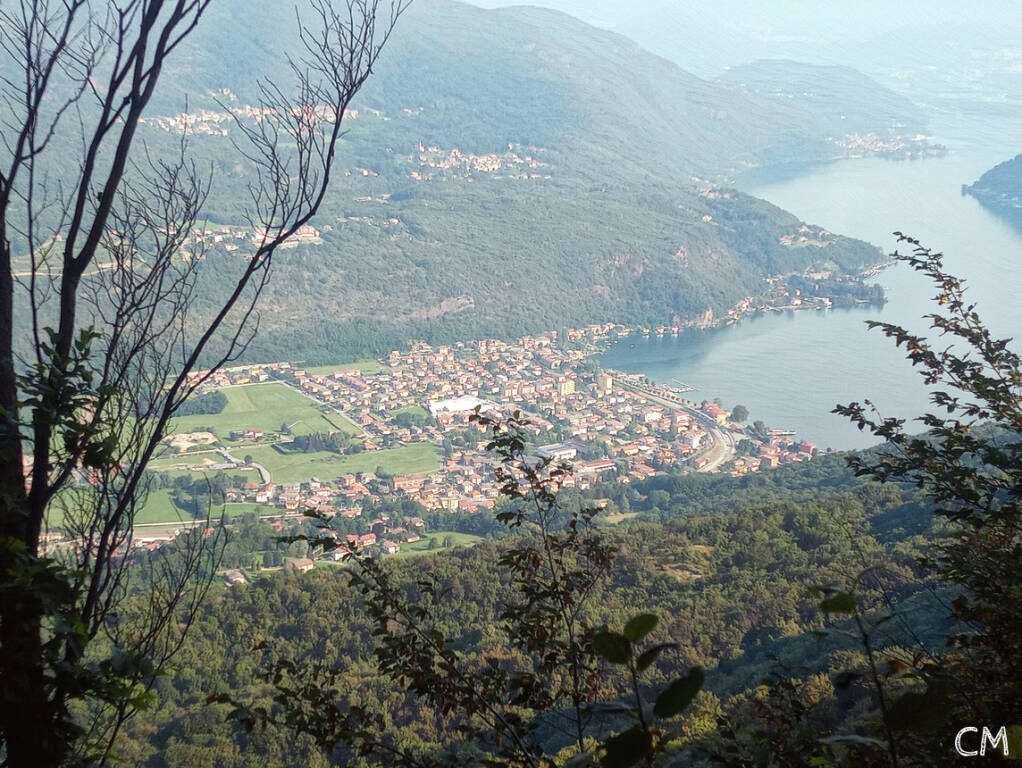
871	145
516	163
219	122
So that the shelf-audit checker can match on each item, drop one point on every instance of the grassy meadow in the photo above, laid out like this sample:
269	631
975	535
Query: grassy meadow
286	467
366	366
266	407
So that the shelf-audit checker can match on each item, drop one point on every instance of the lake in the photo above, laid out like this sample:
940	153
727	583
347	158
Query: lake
790	369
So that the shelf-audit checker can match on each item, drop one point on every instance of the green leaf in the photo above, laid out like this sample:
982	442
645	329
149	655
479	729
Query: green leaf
842	602
613	647
679	694
628	747
649	656
95	456
640	626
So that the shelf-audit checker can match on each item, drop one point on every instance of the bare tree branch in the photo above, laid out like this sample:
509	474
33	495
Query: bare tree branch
93	272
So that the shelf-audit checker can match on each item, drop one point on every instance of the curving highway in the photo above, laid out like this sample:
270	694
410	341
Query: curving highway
723	441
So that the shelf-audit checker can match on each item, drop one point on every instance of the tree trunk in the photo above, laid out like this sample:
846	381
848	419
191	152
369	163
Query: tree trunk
25	715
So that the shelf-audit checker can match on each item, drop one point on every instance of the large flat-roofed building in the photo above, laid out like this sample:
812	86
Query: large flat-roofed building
558	451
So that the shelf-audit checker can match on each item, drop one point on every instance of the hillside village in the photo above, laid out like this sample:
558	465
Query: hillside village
516	163
219	122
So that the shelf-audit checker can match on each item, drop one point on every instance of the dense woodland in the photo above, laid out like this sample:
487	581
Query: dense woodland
726	566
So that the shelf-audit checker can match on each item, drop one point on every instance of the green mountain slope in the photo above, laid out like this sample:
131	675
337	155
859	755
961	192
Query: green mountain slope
847	111
1000	190
482	78
509	171
728	572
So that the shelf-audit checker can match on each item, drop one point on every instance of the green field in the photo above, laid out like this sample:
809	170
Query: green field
237	509
266	407
421	546
299	467
366	366
160	508
416	410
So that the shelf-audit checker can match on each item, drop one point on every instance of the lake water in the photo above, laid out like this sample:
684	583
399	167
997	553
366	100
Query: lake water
790	369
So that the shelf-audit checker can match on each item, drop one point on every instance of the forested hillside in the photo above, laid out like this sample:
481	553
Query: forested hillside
728	572
508	171
1000	190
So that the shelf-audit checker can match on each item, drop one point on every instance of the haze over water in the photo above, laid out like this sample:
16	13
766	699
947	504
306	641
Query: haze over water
963	69
790	369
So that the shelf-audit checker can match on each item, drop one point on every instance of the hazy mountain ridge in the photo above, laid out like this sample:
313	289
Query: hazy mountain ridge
510	171
1000	190
841	98
534	76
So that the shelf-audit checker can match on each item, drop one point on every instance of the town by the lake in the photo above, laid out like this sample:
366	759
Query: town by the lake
333	440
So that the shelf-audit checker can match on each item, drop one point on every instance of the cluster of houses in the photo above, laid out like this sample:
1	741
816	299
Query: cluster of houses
232	238
870	144
464	483
515	163
612	425
778	450
608	425
219	122
383	536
